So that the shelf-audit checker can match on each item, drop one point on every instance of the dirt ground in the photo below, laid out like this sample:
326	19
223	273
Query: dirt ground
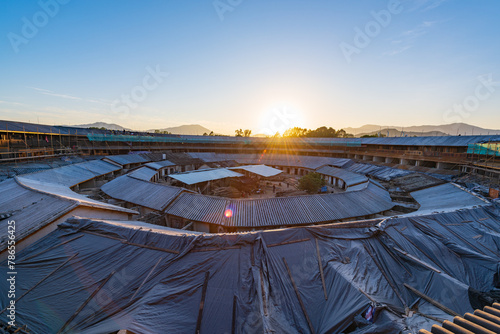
267	189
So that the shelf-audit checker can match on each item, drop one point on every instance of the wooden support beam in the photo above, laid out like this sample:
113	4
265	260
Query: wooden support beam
145	279
43	279
85	302
432	301
408	255
287	242
49	249
382	271
233	319
263	292
298	297
320	264
202	302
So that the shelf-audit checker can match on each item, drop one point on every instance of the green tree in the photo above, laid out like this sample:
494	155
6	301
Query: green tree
321	132
311	182
247	133
375	135
238	133
295	132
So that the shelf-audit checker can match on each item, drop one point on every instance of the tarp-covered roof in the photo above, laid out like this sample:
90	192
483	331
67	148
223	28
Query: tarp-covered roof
381	172
349	178
101	277
148	194
261	170
281	211
204	175
444	197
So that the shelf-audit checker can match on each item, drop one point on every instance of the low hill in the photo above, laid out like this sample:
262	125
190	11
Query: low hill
109	126
192	129
420	130
397	133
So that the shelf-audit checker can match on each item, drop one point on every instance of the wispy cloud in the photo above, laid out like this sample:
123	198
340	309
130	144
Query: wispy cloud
398	50
423	5
70	97
12	103
418	31
406	39
38	89
64	96
431	4
51	93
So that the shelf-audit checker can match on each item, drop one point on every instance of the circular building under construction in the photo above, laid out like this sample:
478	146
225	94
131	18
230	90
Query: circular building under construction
151	233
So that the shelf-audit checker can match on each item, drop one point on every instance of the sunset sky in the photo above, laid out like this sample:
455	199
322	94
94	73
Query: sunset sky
256	64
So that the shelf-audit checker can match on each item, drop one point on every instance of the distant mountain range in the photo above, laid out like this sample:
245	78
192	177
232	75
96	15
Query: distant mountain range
398	133
109	126
192	129
422	130
369	129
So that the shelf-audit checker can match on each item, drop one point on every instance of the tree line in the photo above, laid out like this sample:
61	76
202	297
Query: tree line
321	132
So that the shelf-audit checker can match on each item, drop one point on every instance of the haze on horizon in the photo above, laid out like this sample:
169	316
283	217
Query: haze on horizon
254	64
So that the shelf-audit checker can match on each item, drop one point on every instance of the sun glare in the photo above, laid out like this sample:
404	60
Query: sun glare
279	118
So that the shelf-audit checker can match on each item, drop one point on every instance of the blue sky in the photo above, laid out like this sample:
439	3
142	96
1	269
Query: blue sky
262	65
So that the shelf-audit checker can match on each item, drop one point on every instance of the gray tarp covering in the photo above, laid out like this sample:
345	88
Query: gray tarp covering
154	280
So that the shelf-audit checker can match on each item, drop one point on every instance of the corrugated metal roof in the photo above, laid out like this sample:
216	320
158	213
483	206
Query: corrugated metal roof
356	187
304	161
143	173
34	204
67	194
126	159
261	170
400	141
349	178
160	164
282	211
444	197
381	172
30	209
204	175
182	159
47	129
151	195
98	167
151	137
71	175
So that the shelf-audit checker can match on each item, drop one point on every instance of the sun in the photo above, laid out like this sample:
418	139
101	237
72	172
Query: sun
279	118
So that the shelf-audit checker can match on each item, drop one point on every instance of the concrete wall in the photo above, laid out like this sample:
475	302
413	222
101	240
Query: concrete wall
201	227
